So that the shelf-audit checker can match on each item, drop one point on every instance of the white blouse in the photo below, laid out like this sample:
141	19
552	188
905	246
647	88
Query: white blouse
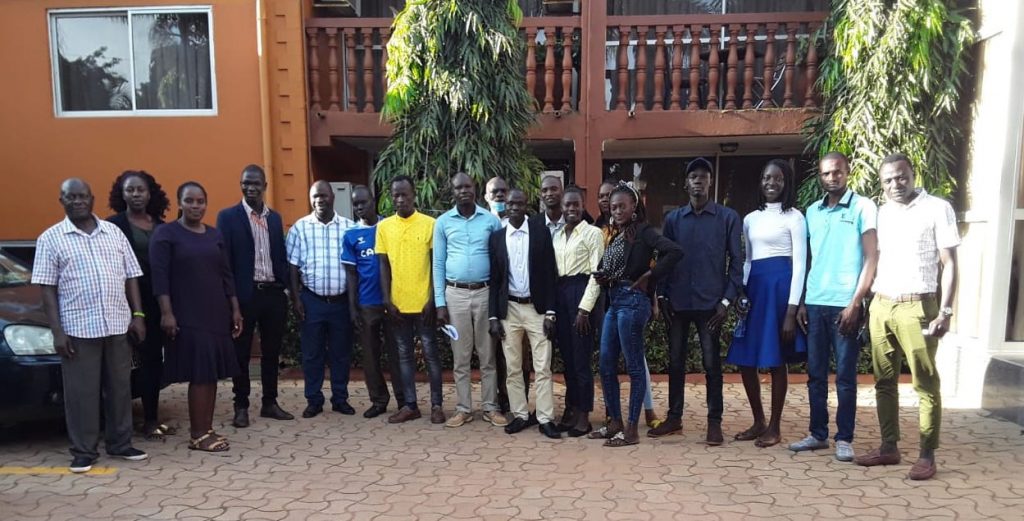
774	233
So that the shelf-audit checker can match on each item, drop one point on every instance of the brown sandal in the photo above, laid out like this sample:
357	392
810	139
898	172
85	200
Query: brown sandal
209	442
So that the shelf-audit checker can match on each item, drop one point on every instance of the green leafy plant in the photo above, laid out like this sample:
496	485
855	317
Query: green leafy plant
457	98
891	82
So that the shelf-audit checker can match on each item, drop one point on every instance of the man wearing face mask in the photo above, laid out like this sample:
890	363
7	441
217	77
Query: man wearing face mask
496	195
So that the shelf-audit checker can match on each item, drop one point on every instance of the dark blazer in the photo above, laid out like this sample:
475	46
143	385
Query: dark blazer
233	224
640	252
543	270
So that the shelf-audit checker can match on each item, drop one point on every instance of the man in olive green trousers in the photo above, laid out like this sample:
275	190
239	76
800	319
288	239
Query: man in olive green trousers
917	240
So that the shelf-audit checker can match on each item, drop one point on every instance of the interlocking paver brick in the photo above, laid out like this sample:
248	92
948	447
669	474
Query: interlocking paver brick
339	468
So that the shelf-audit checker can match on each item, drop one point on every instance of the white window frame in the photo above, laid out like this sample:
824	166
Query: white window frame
58	111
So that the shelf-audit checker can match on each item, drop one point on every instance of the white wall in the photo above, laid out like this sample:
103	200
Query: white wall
994	168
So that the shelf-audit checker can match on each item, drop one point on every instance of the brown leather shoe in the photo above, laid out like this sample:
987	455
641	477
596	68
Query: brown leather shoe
876	457
665	428
714	437
922	469
437	415
404	414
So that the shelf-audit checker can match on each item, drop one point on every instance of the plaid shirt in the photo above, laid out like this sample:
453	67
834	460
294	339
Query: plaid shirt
315	248
264	269
89	271
909	239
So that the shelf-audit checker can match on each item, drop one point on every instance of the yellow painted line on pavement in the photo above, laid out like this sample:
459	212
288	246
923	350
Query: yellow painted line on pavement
16	471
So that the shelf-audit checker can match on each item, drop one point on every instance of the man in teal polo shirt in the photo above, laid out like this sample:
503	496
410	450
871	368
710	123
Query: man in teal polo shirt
844	254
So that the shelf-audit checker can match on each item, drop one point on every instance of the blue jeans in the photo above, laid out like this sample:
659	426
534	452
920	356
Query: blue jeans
823	337
623	332
325	336
406	329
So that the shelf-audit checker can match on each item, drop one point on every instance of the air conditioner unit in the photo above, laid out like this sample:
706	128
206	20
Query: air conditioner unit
340	7
561	6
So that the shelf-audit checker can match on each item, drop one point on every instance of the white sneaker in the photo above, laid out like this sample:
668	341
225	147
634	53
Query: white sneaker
844	451
808	443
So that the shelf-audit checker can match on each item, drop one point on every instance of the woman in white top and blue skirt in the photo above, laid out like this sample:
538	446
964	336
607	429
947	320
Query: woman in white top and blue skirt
773	277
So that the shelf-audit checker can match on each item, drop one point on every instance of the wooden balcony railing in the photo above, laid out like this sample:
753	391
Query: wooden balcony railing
652	63
347	60
711	62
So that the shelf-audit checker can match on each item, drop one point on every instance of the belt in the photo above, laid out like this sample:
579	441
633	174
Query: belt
907	297
330	299
520	300
466	285
573	278
262	286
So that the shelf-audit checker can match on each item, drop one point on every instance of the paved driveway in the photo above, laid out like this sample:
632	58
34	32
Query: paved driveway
338	467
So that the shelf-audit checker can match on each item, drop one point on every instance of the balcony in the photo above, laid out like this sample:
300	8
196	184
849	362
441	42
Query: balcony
745	73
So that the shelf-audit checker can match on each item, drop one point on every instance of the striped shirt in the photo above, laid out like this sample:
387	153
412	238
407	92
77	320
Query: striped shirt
315	248
579	254
89	271
264	269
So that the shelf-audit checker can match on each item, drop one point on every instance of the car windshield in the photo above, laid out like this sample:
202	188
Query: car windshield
13	273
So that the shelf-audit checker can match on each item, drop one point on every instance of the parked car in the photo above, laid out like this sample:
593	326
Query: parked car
31	384
30	375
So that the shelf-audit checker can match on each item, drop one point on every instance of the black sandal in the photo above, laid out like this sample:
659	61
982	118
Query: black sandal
752	433
602	434
619	440
157	432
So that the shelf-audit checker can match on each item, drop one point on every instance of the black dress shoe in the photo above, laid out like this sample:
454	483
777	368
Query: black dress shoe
275	412
517	425
343	408
532	420
576	433
548	429
375	411
312	410
241	420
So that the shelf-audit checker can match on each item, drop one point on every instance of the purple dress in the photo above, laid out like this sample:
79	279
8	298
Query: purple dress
193	269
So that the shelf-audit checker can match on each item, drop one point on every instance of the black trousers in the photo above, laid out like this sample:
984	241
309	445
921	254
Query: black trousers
370	339
268	309
577	351
678	340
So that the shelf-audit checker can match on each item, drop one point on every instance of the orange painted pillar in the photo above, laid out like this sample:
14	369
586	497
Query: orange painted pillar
588	146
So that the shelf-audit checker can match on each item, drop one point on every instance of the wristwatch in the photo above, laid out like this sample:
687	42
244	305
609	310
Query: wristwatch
725	302
549	316
947	312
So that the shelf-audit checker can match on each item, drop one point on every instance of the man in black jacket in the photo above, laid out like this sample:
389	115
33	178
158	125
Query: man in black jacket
522	302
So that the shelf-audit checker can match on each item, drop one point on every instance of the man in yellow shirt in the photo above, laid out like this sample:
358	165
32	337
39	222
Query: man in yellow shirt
404	244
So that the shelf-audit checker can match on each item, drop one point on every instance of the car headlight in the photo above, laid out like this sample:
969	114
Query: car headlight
29	340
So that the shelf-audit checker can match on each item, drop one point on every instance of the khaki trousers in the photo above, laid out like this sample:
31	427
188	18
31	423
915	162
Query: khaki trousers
467	310
523	320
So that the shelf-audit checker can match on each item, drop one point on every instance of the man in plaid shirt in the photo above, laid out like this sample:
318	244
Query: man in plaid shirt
88	275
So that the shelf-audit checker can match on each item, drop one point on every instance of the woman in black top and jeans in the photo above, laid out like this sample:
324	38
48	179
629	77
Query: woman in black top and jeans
626	271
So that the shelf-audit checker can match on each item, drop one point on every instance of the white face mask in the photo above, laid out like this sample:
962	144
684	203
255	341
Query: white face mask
498	207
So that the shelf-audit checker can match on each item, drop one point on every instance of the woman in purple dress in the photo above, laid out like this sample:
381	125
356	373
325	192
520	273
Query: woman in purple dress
198	308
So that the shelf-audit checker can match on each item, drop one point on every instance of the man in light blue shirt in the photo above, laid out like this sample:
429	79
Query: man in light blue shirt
461	271
844	254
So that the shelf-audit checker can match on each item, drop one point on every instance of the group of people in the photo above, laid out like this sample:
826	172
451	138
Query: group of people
508	287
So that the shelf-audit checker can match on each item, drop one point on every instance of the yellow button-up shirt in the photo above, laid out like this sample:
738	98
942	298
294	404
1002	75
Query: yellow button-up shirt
579	254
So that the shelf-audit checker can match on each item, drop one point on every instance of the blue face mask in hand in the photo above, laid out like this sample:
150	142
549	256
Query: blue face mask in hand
498	207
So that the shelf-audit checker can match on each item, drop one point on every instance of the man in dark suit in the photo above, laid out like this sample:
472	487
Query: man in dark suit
523	281
254	239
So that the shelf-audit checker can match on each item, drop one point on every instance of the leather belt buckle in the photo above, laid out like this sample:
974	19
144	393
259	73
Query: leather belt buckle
520	300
